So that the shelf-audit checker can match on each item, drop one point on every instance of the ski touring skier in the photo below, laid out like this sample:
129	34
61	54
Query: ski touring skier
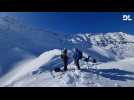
77	56
60	73
64	57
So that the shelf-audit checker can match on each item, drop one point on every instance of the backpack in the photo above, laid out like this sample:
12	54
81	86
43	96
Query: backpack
80	55
63	54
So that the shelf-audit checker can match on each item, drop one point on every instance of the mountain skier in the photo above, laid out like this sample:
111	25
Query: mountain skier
77	56
64	58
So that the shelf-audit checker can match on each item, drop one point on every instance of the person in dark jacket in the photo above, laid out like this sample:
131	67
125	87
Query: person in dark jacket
77	56
64	58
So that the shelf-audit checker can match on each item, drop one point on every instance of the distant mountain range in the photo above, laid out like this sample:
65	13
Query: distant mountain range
19	42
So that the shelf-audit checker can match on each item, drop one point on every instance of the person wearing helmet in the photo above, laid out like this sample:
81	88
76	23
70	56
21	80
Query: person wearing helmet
64	58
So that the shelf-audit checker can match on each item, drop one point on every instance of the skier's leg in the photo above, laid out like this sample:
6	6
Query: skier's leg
77	64
65	65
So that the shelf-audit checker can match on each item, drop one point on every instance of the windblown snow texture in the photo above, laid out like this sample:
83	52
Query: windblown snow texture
29	55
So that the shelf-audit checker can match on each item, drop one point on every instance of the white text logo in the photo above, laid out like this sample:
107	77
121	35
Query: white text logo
127	18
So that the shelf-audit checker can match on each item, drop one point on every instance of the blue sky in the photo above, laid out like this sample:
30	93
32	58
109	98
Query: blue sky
75	22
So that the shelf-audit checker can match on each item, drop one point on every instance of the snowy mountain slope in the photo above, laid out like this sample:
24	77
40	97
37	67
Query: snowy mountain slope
106	74
115	73
25	67
105	46
21	65
19	42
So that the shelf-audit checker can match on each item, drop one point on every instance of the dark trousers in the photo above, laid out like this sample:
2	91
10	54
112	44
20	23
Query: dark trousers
65	65
77	63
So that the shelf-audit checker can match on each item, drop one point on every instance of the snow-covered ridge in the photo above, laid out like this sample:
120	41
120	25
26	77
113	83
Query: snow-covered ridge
106	74
25	51
119	44
19	42
102	39
26	67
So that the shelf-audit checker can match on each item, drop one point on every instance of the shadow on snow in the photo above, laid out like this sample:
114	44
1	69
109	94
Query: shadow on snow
56	62
113	74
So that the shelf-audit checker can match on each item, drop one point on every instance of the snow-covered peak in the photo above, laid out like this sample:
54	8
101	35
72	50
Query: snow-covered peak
28	55
102	39
116	45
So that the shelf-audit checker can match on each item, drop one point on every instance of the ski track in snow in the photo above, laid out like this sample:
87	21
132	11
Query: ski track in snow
84	78
114	73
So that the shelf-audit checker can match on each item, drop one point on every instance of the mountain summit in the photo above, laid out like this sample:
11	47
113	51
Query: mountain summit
28	56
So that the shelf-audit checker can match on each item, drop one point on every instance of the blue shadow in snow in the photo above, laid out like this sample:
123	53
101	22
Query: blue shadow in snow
56	62
113	74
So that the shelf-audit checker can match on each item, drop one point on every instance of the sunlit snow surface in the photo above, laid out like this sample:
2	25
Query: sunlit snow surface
28	56
30	74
